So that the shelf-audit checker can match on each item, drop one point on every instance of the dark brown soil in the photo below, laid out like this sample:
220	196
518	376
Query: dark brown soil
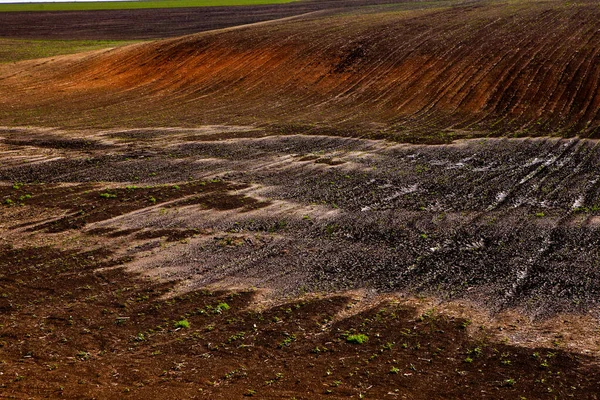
328	161
155	23
171	235
87	206
154	253
71	328
57	143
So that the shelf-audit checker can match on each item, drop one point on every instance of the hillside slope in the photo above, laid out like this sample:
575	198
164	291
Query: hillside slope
472	69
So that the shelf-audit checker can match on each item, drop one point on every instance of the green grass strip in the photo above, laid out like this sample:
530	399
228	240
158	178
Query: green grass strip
13	50
130	5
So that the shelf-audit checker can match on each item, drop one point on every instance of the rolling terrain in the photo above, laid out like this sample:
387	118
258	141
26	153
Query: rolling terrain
473	70
151	20
367	201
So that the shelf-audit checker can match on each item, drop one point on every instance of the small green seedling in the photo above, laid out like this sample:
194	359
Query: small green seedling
221	307
357	339
184	323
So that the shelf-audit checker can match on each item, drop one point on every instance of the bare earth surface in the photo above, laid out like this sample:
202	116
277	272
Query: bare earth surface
97	221
387	202
412	73
155	23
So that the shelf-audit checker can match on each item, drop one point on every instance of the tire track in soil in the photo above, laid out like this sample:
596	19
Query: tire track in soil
388	217
332	214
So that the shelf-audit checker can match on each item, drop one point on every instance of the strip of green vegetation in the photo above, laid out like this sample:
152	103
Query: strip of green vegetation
129	5
12	50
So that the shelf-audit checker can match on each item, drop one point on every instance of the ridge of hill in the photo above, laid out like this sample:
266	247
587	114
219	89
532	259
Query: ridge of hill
530	68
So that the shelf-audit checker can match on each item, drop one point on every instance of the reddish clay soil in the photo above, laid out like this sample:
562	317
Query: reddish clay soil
402	72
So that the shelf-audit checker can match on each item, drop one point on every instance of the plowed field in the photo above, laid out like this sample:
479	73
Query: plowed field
383	201
462	71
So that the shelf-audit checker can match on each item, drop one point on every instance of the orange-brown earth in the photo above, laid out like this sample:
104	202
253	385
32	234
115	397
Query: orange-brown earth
474	69
470	265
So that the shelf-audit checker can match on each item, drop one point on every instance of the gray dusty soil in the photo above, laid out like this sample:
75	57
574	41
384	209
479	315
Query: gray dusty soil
506	223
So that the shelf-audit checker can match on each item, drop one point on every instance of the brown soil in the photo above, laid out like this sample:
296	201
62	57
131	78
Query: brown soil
491	221
155	23
153	253
74	329
88	206
410	72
